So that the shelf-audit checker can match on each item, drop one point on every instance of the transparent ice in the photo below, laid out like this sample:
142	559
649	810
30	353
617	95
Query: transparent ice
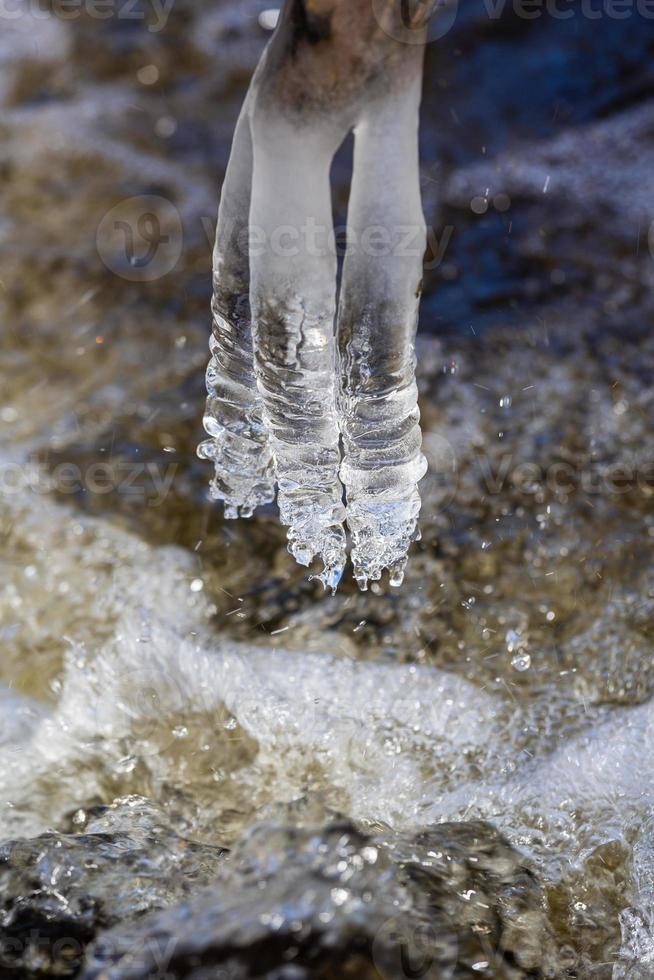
321	401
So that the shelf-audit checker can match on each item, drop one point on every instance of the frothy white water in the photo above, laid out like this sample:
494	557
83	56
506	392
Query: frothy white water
149	697
29	32
20	717
376	734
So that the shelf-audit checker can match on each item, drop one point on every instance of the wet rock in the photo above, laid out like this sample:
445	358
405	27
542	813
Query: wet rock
583	906
58	890
291	904
101	367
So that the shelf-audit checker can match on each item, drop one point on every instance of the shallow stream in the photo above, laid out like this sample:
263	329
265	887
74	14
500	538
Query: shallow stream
459	770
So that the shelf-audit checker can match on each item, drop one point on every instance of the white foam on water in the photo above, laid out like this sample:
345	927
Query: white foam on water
30	32
20	717
370	729
376	731
394	742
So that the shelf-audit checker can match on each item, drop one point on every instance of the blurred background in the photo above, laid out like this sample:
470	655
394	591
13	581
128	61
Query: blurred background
514	94
533	580
535	335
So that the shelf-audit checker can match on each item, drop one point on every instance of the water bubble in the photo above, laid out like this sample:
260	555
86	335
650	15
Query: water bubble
501	202
521	661
148	75
513	640
165	127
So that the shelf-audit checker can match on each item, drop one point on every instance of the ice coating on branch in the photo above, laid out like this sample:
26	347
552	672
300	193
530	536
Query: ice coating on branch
283	405
238	445
378	314
293	298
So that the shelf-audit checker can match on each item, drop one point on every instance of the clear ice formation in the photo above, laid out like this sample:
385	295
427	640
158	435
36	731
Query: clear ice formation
238	443
316	400
378	312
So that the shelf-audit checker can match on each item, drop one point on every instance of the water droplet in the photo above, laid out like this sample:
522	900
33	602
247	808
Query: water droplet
126	764
165	127
148	75
339	896
268	19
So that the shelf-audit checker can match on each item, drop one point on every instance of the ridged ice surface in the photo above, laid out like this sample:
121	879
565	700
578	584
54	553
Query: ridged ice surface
239	444
295	359
292	442
382	466
488	729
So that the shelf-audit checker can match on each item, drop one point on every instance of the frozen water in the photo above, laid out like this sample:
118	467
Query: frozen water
293	417
151	650
377	319
239	443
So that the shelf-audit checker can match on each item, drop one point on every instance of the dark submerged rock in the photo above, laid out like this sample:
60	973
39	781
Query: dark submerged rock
58	890
296	903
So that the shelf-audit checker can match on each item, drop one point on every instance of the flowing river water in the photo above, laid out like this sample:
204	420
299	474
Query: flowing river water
464	763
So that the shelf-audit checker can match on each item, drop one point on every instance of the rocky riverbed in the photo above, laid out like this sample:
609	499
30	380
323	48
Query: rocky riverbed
208	768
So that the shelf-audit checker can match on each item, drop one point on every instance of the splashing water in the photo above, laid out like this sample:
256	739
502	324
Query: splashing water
153	653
